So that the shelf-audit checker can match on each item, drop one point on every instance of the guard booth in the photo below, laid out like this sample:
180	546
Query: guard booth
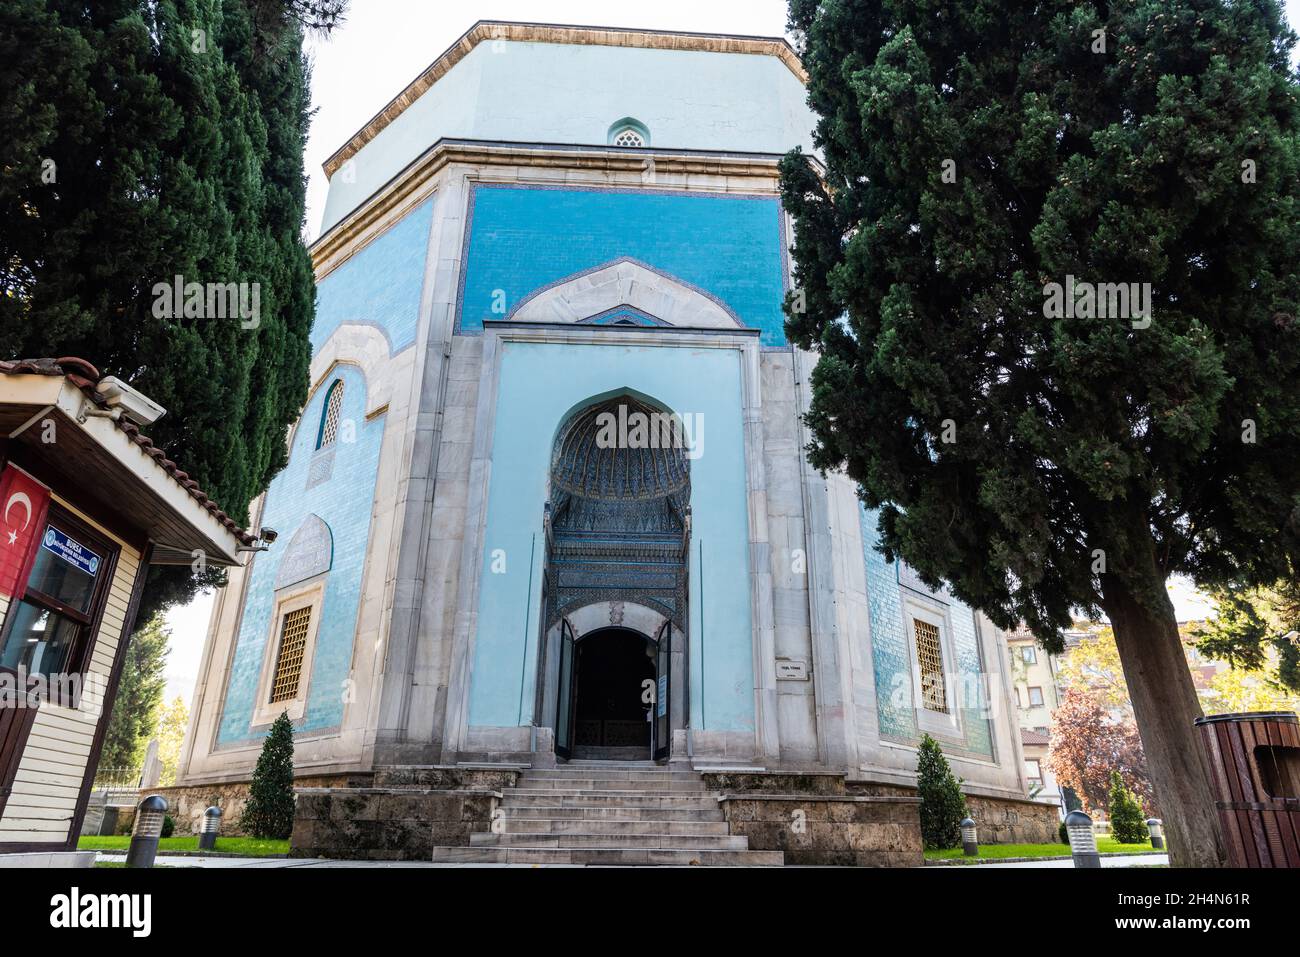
87	503
1255	770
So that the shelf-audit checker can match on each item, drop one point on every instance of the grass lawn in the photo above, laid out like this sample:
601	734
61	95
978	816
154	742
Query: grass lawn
991	852
243	846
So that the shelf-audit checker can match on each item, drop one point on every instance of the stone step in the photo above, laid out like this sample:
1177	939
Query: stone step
608	857
608	784
517	797
609	774
718	842
579	825
608	812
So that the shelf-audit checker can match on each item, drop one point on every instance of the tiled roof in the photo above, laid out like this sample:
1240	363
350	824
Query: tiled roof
1029	736
86	377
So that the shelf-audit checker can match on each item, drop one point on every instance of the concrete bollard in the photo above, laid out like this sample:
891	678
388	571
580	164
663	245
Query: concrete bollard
148	829
970	845
1156	828
1083	843
211	828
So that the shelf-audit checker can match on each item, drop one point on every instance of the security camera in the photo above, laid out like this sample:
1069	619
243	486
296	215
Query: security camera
132	403
268	535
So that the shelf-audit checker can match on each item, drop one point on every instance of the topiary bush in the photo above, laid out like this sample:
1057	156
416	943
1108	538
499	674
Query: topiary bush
1127	821
169	826
269	811
1063	834
942	804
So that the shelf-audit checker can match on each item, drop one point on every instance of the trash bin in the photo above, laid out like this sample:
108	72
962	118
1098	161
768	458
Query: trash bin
1255	771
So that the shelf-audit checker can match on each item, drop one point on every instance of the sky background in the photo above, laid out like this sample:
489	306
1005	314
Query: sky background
382	47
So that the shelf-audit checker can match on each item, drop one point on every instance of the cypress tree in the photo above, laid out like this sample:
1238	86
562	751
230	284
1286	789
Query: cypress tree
1127	823
269	811
1044	460
142	141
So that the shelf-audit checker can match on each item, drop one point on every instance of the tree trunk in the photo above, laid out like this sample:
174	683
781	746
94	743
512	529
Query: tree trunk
1166	707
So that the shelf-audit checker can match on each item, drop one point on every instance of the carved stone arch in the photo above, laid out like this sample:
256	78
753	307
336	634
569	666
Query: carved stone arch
631	285
310	552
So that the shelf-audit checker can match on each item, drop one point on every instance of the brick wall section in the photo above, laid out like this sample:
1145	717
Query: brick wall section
846	830
187	804
1000	820
387	824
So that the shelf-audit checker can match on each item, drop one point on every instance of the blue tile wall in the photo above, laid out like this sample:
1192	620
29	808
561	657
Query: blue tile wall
891	658
522	239
380	285
343	502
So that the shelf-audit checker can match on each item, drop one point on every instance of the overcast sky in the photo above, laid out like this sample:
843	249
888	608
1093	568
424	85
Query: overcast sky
381	48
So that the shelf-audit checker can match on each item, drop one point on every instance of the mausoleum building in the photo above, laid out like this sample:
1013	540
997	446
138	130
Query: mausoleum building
547	504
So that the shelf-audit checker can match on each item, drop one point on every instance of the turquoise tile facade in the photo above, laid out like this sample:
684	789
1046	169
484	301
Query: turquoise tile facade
523	239
379	286
343	501
891	660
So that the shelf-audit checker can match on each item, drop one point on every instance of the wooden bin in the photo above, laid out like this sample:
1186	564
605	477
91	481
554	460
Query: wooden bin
1255	768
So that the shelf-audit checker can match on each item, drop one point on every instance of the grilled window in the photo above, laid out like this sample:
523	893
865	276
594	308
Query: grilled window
629	137
329	422
929	659
293	645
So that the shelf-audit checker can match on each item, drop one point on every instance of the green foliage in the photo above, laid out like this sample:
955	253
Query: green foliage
1251	628
141	140
942	804
139	697
925	297
1127	822
169	826
269	811
1062	835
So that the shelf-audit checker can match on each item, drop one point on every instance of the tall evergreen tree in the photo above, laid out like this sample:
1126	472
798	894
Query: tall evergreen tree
141	140
1039	460
139	695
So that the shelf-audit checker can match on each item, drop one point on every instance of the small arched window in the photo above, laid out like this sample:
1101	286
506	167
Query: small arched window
329	418
629	133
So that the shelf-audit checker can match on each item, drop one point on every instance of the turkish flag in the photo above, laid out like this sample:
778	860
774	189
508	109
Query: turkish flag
23	502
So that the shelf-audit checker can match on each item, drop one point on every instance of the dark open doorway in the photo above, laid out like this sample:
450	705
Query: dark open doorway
614	677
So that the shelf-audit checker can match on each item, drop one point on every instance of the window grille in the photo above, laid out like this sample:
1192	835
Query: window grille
629	137
929	658
293	646
329	426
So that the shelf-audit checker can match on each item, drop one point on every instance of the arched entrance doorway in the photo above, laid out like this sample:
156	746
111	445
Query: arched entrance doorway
617	539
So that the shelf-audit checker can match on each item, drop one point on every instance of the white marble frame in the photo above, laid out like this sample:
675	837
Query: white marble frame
765	740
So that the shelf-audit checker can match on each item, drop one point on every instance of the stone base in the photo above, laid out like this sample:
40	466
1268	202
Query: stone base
386	824
1000	820
815	820
186	804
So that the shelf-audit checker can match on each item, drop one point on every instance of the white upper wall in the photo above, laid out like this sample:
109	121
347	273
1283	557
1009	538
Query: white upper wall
570	93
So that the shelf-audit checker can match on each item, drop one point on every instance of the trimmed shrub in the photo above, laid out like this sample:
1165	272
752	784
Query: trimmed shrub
1127	822
269	811
942	804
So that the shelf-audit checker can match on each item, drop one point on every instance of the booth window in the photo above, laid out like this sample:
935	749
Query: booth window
49	631
329	420
294	628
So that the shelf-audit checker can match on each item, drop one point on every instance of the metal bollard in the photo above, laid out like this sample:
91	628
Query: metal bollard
211	828
970	845
1156	828
148	828
1083	843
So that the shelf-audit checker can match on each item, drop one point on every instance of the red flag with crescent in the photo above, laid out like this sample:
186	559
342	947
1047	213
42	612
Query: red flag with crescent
23	503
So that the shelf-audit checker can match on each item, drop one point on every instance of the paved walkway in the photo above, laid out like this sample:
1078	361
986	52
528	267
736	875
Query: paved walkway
1134	860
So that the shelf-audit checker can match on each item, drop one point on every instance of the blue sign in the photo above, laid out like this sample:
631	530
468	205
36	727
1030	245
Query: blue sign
663	695
70	550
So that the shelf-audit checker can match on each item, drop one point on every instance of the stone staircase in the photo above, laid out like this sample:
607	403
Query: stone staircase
617	813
